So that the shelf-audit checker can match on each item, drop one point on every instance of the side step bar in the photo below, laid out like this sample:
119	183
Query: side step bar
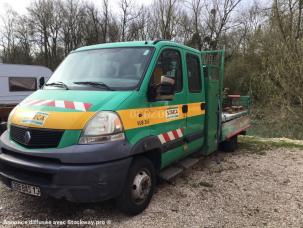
172	171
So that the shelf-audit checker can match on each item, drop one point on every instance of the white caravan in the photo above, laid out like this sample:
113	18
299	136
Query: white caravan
19	81
16	83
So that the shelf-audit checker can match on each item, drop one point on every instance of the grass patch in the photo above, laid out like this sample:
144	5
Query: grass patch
273	122
260	145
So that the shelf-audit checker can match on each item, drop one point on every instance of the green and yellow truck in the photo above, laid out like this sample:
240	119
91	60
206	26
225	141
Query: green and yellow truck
113	118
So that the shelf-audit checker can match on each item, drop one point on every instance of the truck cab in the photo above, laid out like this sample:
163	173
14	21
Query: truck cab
114	117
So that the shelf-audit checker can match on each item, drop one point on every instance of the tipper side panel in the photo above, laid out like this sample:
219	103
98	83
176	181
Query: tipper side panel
213	71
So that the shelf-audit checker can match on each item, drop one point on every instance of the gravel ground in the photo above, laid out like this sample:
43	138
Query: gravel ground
251	187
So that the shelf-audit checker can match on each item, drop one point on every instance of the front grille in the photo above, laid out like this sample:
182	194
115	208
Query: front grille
35	138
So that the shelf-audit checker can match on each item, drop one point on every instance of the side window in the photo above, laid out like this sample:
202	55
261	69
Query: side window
193	73
168	64
18	84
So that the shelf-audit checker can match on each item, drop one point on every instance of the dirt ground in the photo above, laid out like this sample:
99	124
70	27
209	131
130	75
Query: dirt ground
252	187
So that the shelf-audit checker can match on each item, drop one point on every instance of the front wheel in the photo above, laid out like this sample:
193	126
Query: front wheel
139	187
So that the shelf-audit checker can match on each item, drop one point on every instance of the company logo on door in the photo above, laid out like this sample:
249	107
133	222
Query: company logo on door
172	113
38	119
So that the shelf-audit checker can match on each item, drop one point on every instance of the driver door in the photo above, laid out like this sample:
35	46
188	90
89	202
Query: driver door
166	113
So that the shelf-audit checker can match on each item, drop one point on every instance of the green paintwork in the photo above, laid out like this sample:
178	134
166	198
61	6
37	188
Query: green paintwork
194	124
69	138
139	100
213	61
100	100
211	125
211	94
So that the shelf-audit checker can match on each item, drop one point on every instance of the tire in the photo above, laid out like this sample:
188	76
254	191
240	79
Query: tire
229	145
139	187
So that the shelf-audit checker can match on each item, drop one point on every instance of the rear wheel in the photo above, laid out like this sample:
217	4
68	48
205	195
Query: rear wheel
139	187
229	145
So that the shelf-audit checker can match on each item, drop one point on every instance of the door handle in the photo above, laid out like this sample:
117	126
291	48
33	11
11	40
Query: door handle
184	108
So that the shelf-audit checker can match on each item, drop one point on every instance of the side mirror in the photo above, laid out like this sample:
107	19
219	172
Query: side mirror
167	86
165	90
41	82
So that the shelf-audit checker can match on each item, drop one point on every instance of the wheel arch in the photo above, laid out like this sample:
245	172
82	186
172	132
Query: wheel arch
151	148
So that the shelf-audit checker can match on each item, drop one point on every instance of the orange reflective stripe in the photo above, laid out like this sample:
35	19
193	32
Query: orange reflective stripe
131	118
142	117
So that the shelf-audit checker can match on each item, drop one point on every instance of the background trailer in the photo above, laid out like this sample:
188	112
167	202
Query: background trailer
16	83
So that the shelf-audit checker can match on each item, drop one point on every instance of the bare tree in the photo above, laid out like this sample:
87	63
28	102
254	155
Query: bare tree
92	28
113	31
219	17
25	44
166	14
195	7
105	20
46	21
73	15
8	36
128	14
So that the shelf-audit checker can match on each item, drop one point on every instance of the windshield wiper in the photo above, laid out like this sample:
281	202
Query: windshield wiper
92	83
58	84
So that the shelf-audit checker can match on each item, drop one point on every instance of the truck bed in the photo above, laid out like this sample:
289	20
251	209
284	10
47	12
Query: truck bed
235	126
230	116
235	116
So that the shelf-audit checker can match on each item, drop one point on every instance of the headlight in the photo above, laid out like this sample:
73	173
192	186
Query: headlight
103	127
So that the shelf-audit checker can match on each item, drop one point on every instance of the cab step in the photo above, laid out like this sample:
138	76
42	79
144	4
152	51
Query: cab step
179	167
188	162
170	172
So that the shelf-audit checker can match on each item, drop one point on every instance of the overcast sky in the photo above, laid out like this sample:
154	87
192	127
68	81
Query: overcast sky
21	5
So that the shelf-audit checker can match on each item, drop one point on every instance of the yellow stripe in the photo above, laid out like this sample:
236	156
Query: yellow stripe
142	117
194	109
131	118
54	120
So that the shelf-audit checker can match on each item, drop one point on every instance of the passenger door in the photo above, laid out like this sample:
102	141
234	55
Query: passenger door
195	102
168	120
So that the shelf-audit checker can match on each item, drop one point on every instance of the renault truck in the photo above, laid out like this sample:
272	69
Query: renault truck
116	117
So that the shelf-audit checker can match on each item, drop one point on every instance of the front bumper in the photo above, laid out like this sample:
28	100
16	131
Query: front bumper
76	182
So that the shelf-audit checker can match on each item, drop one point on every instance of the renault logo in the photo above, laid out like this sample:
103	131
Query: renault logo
27	137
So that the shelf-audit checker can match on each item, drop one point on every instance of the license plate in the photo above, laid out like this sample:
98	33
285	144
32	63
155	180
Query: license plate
25	188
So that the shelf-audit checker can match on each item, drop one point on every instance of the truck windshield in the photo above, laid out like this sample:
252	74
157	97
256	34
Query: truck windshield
102	69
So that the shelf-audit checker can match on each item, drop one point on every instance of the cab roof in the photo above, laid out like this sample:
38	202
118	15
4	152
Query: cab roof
157	44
